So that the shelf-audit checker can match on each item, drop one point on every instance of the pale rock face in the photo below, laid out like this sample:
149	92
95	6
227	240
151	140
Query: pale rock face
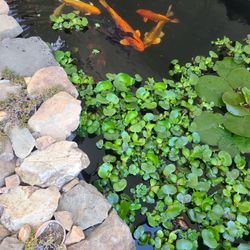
4	232
112	234
11	243
3	116
56	165
57	117
7	88
28	205
74	236
70	185
6	152
22	141
4	8
86	204
50	77
65	218
44	141
12	181
24	233
6	168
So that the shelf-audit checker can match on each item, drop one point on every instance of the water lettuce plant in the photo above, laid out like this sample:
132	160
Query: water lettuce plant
69	21
186	189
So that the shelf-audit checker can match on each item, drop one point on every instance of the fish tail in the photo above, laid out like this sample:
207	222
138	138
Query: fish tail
175	20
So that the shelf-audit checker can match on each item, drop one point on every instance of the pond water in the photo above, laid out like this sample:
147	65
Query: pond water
200	22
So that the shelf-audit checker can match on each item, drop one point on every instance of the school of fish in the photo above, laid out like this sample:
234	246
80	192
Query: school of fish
132	37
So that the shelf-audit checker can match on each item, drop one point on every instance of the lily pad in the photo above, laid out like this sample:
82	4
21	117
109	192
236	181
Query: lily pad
211	88
239	77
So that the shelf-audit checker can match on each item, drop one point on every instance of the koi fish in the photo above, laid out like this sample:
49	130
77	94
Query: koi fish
83	7
148	14
155	35
134	40
58	10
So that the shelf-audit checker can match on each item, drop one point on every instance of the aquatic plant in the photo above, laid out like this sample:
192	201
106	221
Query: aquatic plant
69	21
186	190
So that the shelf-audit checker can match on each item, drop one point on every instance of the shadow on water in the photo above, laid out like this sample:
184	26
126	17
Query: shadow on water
201	21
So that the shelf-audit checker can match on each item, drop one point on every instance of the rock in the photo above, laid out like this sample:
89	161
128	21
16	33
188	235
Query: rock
4	8
87	206
11	243
65	218
24	56
51	77
22	141
44	141
4	190
24	233
3	116
70	185
6	88
112	234
12	181
61	109
4	232
56	165
27	80
9	27
28	205
6	152
74	236
6	169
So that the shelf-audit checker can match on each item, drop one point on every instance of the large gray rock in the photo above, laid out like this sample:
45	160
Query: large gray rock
56	165
4	7
24	56
57	117
6	169
4	232
112	234
6	152
22	141
6	88
11	243
51	77
9	27
28	205
87	206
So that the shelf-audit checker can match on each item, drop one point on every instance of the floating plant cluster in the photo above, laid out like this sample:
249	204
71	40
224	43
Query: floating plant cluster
169	134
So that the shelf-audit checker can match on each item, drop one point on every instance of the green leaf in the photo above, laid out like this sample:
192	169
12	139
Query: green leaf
142	93
84	21
244	246
225	158
234	103
239	78
105	170
209	238
184	198
139	232
130	116
103	86
169	189
112	98
211	88
148	167
237	125
246	94
113	198
174	210
120	185
122	81
184	244
169	169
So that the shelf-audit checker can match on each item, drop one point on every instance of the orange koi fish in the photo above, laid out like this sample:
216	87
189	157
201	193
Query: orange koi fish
134	40
58	10
83	7
155	35
148	14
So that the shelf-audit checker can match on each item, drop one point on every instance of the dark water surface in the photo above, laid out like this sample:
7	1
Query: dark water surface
200	22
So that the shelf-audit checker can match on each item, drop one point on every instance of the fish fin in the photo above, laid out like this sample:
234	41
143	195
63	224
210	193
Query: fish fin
138	33
175	20
146	34
162	34
87	14
76	12
157	41
145	19
91	3
124	42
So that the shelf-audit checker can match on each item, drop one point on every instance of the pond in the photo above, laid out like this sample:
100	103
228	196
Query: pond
201	21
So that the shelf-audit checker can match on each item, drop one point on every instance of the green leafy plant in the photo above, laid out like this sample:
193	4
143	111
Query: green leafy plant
69	21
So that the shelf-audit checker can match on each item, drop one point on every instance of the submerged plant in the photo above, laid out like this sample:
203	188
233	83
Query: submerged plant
187	190
69	21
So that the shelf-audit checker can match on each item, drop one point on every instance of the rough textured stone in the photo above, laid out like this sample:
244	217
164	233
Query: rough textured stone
70	185
28	205
65	218
6	169
4	232
6	88
56	165
4	7
87	206
24	233
3	116
9	27
25	56
112	234
44	141
11	243
22	141
74	236
51	77
60	110
12	181
6	152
